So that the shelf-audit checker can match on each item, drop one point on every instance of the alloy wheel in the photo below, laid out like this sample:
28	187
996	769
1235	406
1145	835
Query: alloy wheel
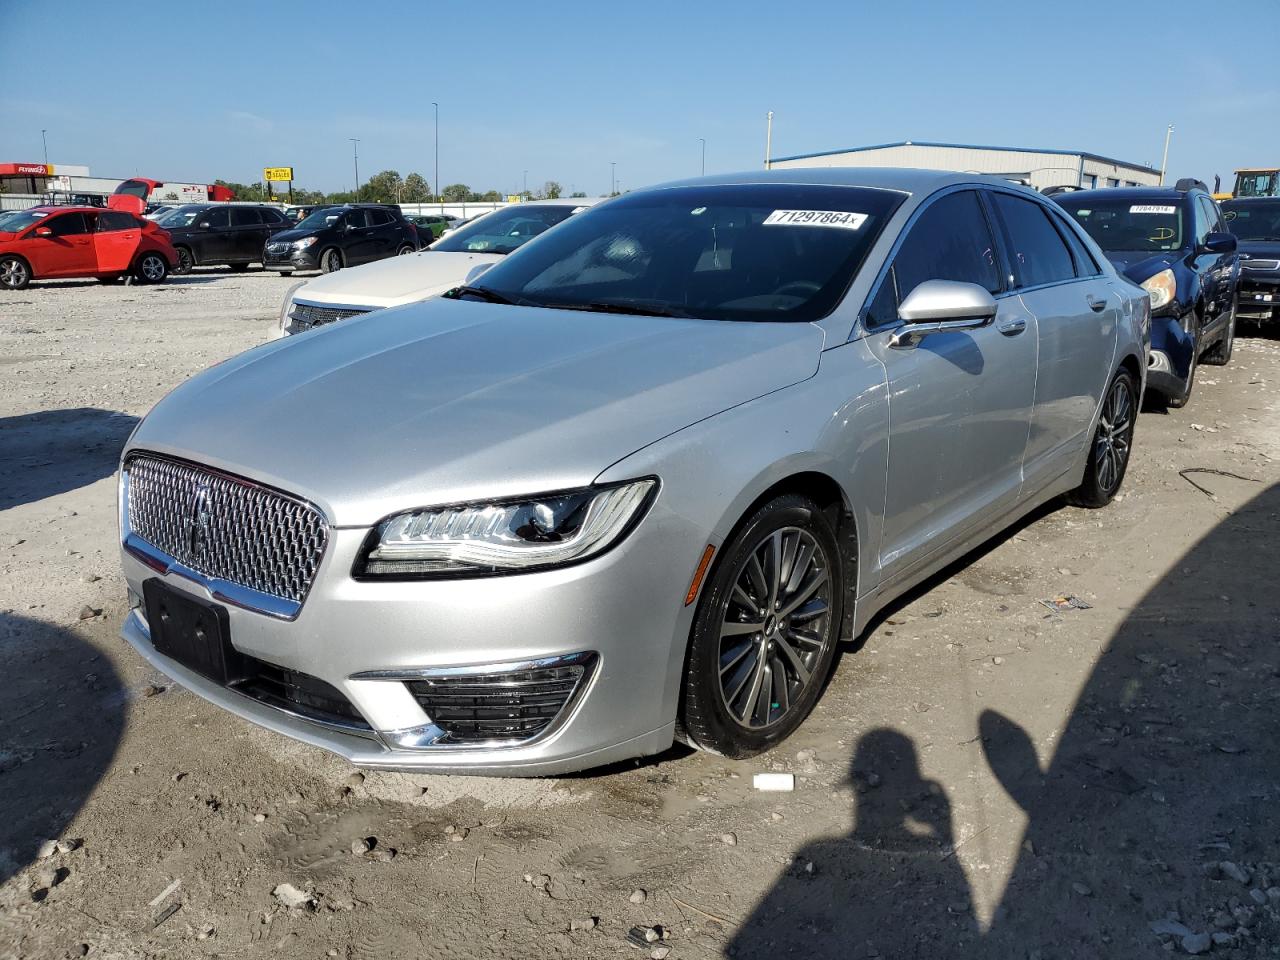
775	627
1115	428
185	261
13	273
152	268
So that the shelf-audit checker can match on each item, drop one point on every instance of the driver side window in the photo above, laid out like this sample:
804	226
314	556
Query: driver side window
951	240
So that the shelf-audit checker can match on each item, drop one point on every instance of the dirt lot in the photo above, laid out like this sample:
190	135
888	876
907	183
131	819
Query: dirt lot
984	777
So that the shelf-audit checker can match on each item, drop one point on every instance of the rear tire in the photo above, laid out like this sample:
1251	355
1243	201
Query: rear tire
186	260
151	268
405	251
15	273
1111	445
747	690
330	261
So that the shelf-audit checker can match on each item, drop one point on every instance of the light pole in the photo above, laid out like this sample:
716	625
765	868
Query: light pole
526	184
355	159
437	146
1168	134
768	141
613	178
45	140
703	141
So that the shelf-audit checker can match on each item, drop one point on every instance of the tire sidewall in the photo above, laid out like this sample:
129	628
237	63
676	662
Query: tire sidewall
141	274
27	273
714	729
330	256
186	261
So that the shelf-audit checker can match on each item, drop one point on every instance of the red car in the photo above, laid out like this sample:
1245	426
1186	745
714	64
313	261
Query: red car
47	242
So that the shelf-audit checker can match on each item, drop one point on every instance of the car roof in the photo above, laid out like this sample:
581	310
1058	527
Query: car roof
1252	200
61	208
1128	193
902	179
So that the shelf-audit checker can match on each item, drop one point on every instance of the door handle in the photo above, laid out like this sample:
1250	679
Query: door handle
1013	326
1096	304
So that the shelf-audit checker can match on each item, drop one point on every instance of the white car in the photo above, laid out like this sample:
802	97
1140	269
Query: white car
451	261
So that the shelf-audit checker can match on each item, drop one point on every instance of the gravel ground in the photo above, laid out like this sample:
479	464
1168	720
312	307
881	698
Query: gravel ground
984	776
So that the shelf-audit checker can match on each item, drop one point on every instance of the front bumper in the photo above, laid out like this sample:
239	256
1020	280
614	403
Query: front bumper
291	259
348	629
1259	295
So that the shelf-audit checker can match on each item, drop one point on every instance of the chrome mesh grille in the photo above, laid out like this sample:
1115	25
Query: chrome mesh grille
225	527
307	315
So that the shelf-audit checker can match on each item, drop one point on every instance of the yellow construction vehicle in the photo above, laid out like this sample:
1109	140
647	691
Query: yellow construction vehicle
1254	182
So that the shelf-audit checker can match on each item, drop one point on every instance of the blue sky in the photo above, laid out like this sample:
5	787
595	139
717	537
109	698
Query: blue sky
197	91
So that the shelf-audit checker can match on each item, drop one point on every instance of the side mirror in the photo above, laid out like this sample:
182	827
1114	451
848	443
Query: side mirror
1219	243
203	224
43	232
948	300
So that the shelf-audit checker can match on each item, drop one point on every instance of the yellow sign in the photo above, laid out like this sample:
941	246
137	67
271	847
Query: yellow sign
277	174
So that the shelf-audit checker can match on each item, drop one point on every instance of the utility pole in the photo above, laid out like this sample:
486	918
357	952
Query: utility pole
355	159
45	140
526	184
439	195
1164	163
703	141
613	178
768	142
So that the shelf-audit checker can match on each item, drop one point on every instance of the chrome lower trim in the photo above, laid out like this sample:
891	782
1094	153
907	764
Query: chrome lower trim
429	737
222	590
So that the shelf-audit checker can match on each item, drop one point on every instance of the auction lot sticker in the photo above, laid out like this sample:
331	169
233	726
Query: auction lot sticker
815	218
1152	208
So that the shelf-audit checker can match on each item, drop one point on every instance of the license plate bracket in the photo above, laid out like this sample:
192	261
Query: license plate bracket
194	633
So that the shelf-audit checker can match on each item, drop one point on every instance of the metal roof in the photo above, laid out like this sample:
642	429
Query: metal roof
971	146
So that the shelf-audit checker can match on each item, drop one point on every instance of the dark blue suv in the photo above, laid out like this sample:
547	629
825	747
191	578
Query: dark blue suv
1173	243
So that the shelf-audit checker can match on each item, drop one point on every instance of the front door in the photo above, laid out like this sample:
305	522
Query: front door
67	250
959	402
115	241
1077	315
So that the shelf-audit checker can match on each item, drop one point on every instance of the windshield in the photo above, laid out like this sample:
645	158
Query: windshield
179	217
324	217
19	220
1149	226
504	230
733	252
1257	184
1257	220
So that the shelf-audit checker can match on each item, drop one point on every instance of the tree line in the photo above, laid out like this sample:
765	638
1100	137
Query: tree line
387	186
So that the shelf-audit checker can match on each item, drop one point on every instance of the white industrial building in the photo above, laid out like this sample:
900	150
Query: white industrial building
1039	168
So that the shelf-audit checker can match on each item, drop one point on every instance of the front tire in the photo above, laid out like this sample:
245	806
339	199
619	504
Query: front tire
764	636
15	273
152	268
1220	355
1112	443
330	261
1182	399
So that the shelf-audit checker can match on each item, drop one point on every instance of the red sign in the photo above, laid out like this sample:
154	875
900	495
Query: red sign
24	170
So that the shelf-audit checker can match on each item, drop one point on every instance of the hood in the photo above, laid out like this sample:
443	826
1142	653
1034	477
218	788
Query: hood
1140	265
5	236
294	234
395	280
1253	249
448	401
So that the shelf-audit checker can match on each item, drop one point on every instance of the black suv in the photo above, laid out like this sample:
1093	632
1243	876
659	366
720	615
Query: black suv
1172	242
1256	223
221	233
342	236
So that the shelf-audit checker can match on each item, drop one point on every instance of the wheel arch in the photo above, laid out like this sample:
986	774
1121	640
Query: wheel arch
31	272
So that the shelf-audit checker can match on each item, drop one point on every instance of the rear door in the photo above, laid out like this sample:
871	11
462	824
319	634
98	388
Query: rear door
387	234
217	240
1076	313
116	241
960	401
247	234
68	250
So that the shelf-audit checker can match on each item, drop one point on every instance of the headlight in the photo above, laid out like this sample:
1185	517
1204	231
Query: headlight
303	243
288	305
1162	287
505	537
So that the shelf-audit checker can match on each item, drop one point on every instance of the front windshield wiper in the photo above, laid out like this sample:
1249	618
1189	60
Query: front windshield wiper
610	306
481	293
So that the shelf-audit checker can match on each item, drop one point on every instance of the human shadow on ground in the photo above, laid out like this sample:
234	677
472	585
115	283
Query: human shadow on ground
49	452
1155	825
61	720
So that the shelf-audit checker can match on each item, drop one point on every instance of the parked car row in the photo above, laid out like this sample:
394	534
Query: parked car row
57	242
636	480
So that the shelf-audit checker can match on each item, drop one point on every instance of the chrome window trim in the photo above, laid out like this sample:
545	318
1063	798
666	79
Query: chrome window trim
224	591
428	737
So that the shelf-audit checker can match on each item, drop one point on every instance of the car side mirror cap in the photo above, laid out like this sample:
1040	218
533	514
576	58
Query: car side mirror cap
937	300
43	232
203	224
1219	243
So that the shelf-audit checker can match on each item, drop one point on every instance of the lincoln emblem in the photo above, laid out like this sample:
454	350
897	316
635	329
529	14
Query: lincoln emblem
198	524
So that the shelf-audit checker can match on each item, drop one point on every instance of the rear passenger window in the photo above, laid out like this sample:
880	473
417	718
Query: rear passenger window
380	218
270	215
950	241
1037	252
1086	265
245	217
110	220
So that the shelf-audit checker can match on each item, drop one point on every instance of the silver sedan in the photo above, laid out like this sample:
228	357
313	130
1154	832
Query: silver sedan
637	481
